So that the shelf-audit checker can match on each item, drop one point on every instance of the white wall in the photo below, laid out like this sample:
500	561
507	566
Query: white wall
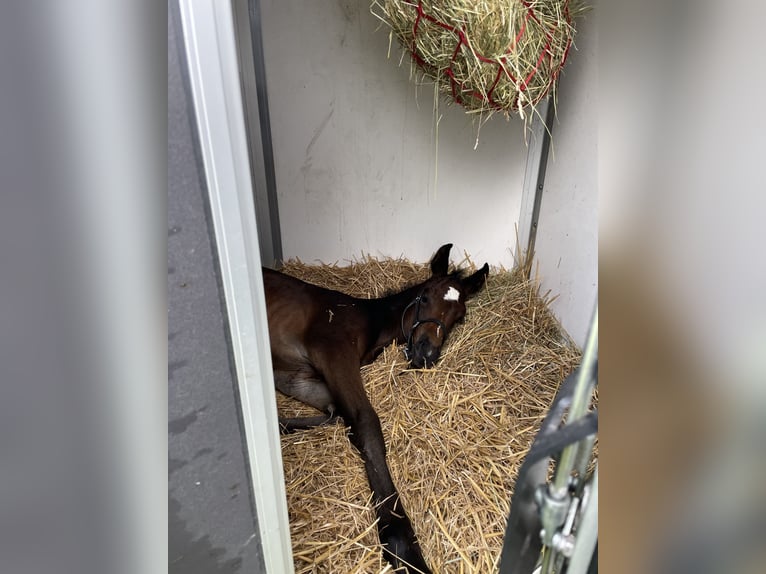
353	151
567	236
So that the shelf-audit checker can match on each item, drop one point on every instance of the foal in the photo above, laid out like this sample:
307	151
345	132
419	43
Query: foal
319	340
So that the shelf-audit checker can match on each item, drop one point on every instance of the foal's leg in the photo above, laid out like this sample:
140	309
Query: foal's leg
305	386
400	544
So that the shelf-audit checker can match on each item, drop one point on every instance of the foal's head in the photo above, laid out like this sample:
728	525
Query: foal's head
440	304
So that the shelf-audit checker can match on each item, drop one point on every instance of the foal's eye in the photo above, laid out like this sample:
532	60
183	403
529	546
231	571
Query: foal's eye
424	299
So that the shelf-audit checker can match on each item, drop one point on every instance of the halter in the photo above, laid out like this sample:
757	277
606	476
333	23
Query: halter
417	323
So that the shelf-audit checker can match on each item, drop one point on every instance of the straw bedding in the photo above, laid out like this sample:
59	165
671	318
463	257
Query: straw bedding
456	434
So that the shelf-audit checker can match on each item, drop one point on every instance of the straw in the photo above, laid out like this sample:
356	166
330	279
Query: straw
488	55
456	434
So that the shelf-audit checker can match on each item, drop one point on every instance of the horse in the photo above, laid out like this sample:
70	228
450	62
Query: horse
320	338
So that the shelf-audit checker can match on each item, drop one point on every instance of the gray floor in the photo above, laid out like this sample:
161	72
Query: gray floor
211	519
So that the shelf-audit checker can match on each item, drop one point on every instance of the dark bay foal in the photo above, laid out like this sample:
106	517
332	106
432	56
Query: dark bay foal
319	340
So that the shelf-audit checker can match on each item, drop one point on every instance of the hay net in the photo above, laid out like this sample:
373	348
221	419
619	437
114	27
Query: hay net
456	434
487	55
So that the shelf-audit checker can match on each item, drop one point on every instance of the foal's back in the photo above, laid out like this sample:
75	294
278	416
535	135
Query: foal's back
302	316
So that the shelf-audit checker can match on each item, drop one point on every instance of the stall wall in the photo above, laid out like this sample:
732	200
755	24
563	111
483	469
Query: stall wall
356	164
567	236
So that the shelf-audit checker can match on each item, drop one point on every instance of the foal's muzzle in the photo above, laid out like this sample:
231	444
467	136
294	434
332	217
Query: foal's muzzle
421	353
424	354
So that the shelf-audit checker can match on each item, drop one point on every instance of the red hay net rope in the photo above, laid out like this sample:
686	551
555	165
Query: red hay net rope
458	88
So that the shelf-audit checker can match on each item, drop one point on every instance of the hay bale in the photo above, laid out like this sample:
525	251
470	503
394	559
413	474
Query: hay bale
487	55
456	434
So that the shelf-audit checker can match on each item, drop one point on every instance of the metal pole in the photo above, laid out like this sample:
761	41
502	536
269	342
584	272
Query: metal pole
556	499
580	402
252	68
534	175
587	533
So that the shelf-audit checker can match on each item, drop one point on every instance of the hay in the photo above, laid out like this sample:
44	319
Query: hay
487	55
456	434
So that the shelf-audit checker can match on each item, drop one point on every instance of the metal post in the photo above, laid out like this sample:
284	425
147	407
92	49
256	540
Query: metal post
252	70
534	175
587	533
556	498
580	402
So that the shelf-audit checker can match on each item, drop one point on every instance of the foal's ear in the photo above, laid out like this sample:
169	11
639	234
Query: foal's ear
473	283
440	261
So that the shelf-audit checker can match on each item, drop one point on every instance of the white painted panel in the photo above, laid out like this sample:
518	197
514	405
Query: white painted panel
353	151
567	236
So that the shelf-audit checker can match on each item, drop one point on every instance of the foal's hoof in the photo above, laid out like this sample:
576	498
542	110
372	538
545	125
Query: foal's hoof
402	550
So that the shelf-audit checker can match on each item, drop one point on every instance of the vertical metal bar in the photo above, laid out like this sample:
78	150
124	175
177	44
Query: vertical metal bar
252	67
548	557
558	489
580	401
584	456
534	175
587	533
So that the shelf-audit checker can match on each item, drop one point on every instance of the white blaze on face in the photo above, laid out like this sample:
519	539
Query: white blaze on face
452	294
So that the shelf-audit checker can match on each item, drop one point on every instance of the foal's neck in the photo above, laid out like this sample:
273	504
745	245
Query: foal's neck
388	311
